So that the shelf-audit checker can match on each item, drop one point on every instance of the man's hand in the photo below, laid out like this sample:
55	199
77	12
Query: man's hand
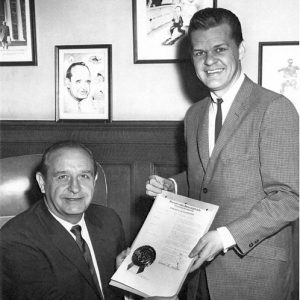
156	184
209	246
121	257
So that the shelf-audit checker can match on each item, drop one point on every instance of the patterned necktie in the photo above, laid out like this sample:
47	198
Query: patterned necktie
83	246
218	124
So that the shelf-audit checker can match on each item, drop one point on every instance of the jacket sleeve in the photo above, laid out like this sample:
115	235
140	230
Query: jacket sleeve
279	162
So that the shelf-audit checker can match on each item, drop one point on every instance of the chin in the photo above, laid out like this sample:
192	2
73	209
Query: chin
77	209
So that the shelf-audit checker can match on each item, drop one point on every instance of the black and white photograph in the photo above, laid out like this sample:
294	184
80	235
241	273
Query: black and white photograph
17	33
83	82
160	27
153	151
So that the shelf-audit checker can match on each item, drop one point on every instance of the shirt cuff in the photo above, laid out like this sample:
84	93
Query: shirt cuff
226	237
175	184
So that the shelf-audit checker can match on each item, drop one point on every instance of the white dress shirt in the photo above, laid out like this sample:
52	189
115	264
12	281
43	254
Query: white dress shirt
227	98
225	235
85	234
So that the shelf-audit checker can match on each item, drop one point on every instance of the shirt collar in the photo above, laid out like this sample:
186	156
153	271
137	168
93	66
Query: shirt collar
231	93
67	225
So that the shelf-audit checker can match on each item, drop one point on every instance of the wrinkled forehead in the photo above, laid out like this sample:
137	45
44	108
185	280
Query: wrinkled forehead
70	158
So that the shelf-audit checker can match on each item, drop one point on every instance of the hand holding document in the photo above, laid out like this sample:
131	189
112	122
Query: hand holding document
159	261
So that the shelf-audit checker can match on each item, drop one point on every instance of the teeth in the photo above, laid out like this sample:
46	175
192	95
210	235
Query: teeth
214	71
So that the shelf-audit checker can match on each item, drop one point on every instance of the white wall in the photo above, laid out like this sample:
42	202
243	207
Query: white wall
140	91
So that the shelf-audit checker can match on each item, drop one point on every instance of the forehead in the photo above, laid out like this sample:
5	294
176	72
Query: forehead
217	35
70	158
80	71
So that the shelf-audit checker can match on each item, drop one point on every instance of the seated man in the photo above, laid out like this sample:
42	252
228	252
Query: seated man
63	247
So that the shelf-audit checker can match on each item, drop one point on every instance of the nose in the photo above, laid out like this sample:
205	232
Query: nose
210	58
74	185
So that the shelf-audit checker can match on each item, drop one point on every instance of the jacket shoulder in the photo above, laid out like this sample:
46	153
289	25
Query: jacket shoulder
103	215
198	107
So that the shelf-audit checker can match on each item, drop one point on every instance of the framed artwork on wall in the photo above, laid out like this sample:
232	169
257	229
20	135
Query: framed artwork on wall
83	82
17	33
160	29
279	68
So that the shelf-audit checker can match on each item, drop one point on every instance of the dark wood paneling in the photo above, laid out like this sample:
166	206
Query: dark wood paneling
129	152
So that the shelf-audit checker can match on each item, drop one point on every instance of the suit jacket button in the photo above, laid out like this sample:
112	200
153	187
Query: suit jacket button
205	190
251	245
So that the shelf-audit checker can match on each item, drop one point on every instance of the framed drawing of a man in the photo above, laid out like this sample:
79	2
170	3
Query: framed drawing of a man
83	82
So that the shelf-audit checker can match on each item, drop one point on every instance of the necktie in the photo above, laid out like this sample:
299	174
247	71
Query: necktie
83	246
218	124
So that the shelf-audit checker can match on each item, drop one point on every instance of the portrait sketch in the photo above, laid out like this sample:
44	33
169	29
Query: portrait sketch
83	82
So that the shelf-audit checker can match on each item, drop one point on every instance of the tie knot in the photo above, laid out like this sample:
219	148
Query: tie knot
219	100
76	230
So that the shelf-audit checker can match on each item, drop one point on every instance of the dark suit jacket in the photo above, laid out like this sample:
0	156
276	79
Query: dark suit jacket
40	259
252	174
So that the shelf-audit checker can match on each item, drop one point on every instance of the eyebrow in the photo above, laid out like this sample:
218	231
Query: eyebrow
215	46
64	172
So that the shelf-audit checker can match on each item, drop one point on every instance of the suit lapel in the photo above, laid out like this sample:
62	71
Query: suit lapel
235	114
98	239
66	244
203	135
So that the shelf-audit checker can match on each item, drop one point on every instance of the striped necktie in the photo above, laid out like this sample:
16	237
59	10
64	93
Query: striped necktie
83	246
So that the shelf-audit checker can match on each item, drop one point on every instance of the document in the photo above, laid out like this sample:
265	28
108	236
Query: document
158	262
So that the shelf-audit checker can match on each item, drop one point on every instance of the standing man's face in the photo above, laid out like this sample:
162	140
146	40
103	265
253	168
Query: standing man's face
69	183
216	57
79	84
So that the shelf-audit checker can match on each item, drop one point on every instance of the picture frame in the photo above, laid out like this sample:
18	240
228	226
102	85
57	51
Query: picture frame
83	82
17	33
160	29
279	68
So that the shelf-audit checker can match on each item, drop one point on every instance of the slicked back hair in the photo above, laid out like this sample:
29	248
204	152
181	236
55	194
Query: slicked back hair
43	167
69	70
207	18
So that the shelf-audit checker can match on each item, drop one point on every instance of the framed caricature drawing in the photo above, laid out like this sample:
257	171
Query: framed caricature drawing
83	82
160	28
279	69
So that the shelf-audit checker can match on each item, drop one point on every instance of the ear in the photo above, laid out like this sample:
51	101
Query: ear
67	82
242	50
41	182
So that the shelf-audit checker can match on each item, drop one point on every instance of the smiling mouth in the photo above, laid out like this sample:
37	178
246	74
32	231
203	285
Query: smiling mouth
73	198
213	72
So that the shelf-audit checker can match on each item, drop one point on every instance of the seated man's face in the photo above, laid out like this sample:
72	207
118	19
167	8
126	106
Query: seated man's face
79	84
69	184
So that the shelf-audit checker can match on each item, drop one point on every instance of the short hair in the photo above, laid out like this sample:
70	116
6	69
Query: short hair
43	166
69	70
207	18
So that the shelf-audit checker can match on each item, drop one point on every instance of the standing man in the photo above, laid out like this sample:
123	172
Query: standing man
78	83
242	154
63	247
4	35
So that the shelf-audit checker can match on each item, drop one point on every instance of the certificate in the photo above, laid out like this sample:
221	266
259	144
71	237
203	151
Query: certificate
158	262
